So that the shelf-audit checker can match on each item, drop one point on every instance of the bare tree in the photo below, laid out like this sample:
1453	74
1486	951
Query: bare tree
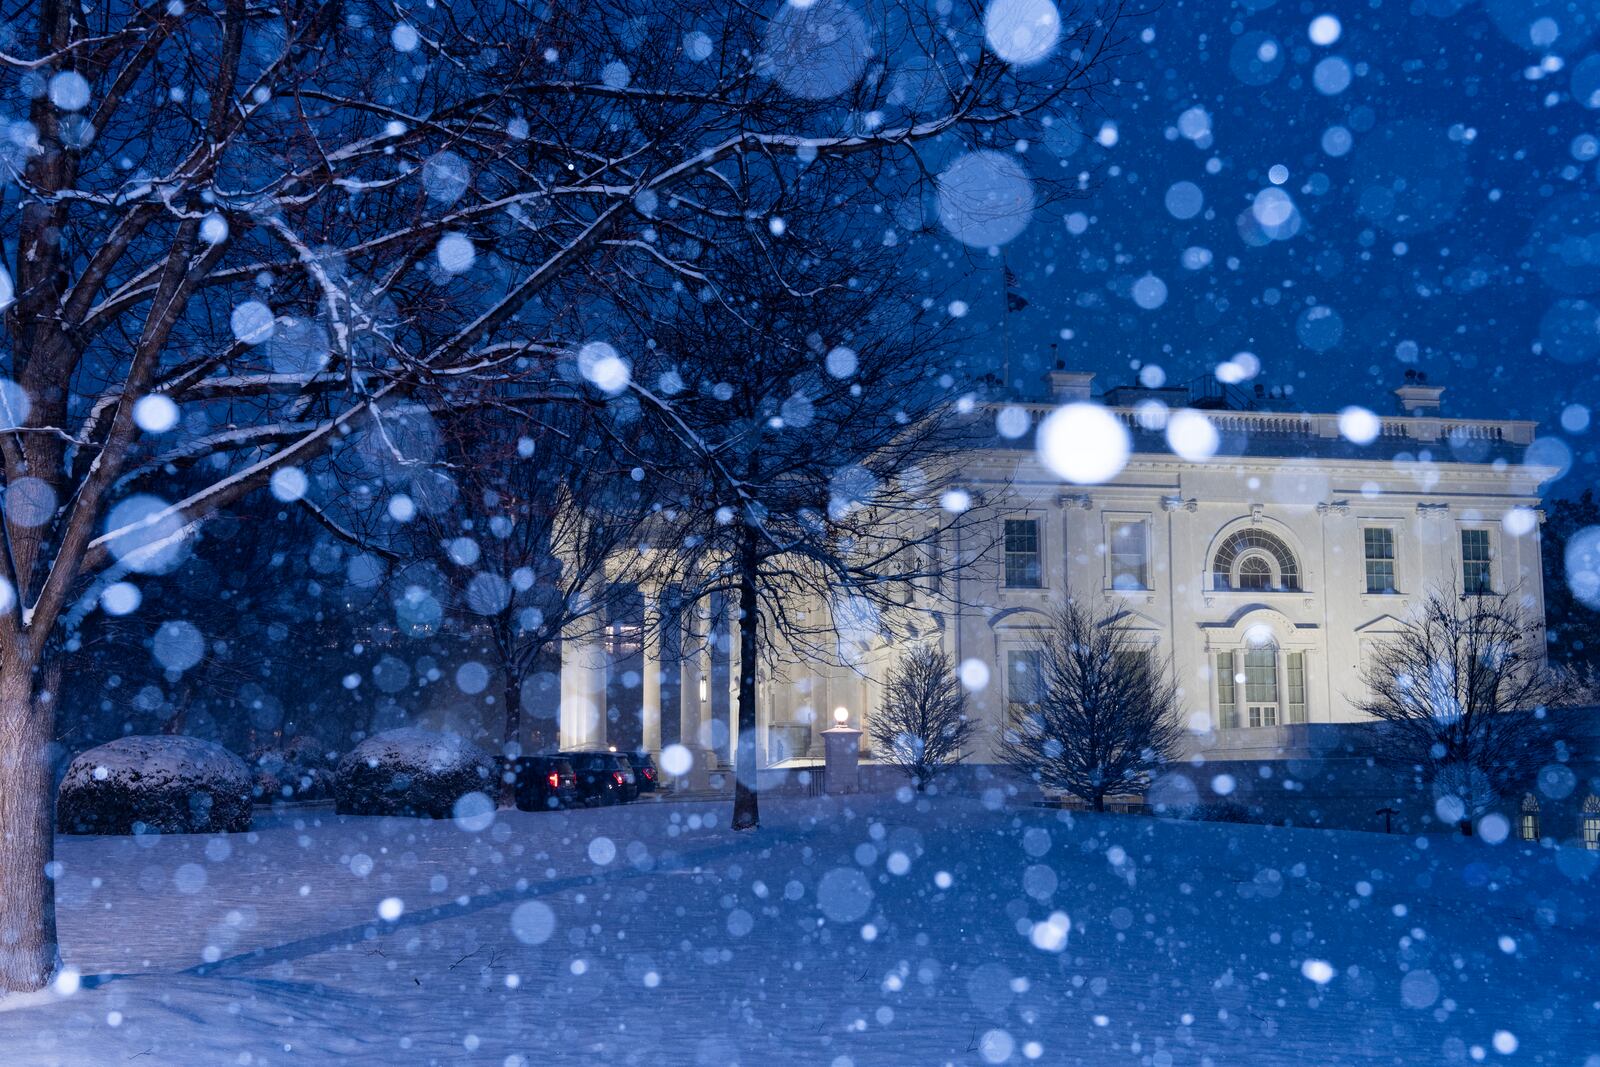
921	724
1104	712
539	545
817	427
291	219
1468	697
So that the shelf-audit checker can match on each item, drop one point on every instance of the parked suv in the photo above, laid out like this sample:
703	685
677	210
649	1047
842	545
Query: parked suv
545	782
644	767
603	777
630	777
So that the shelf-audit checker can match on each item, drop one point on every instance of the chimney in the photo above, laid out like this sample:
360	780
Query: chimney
1416	397
1068	385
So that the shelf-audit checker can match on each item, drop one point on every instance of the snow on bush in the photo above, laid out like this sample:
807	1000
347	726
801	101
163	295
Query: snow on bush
300	769
411	771
162	784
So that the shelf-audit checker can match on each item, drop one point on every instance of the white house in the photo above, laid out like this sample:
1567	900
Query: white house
1263	572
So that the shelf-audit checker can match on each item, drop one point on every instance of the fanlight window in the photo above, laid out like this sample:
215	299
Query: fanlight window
1255	560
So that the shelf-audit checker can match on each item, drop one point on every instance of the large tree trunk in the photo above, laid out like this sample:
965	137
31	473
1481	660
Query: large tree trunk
746	808
29	953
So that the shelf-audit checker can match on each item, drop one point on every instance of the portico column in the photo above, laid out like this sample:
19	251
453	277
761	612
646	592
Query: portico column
583	688
651	648
693	671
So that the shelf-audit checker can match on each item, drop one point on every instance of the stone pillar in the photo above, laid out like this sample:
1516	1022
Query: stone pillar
651	646
693	674
842	746
583	690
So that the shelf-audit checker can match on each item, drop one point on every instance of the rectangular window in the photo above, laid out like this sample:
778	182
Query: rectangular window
1261	686
1295	668
1023	683
1132	661
1130	555
1591	832
1475	579
1378	547
1530	826
1022	553
1227	693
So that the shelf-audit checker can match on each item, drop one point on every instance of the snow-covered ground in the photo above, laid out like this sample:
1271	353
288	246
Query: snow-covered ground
868	931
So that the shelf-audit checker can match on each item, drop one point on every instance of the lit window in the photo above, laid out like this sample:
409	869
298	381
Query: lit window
1475	578
1378	546
1022	553
1591	823
1130	556
1528	827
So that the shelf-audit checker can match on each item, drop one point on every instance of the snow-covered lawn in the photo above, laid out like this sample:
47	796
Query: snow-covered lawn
869	931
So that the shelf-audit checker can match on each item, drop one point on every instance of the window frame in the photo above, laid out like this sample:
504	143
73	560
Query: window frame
1471	588
1008	657
1391	561
1007	552
1296	683
1226	668
1528	819
1256	707
1249	542
1114	522
1255	696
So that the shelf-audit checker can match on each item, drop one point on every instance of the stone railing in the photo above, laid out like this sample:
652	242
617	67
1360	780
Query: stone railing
1301	424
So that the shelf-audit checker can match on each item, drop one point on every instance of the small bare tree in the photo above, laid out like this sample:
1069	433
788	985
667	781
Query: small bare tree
1104	713
1468	697
922	723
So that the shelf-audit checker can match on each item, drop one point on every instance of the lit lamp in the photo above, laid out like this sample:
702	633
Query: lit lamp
841	754
705	689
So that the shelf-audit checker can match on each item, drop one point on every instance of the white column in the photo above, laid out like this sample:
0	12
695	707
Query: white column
583	690
651	643
694	675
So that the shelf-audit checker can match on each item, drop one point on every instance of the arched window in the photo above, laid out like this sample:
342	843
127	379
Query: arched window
1529	826
1591	823
1256	560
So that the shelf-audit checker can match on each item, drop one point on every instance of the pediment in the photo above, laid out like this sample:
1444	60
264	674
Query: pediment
1132	619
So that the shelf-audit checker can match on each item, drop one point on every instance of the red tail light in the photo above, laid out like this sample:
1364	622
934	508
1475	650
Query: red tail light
555	780
618	776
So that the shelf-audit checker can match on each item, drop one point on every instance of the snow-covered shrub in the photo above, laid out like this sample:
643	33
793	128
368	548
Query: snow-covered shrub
166	784
301	769
411	771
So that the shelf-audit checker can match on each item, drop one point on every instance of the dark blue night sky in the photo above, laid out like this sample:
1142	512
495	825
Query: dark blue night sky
1440	165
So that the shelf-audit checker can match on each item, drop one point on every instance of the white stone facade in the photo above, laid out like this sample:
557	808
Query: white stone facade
1282	557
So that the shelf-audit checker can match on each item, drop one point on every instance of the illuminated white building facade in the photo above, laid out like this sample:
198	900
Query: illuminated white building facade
1263	572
